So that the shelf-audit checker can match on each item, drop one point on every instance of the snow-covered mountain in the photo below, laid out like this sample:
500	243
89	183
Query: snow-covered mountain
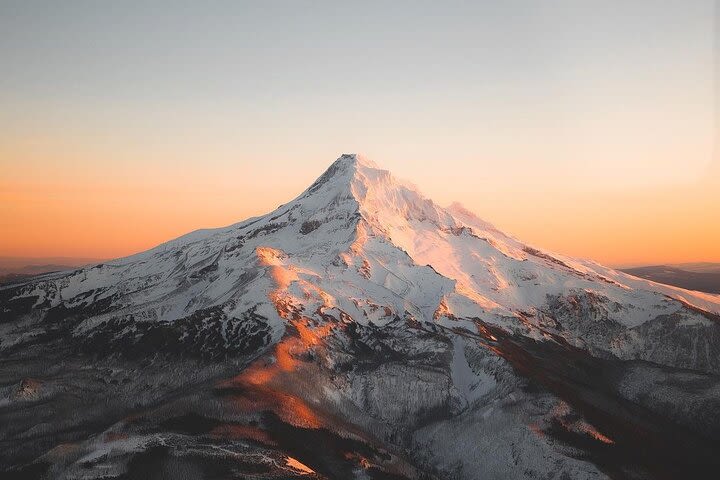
358	331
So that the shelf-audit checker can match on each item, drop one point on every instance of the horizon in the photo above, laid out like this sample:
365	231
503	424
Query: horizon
587	130
17	262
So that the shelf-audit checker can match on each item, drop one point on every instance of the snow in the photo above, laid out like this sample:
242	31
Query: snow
471	385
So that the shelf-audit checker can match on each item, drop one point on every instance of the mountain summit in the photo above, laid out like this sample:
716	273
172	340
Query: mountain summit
358	331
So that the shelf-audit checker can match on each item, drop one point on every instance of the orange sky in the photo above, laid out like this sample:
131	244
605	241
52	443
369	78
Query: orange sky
76	206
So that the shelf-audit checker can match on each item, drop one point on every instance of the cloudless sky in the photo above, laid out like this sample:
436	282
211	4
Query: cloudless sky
585	127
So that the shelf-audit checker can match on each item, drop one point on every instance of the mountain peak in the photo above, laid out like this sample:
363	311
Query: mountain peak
356	178
341	172
355	160
377	194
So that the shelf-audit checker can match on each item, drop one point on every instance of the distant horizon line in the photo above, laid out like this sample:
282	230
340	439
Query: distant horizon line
9	261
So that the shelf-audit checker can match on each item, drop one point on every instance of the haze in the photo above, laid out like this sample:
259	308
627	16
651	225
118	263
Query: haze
587	128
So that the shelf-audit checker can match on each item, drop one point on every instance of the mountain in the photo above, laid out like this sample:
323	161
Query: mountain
13	269
699	267
703	277
358	331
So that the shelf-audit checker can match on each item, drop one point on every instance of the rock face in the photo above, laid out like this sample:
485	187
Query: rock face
359	331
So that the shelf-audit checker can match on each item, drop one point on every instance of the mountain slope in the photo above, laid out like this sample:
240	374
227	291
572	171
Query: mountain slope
360	330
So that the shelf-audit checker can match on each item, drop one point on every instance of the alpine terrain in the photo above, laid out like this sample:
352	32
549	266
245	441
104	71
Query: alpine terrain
358	331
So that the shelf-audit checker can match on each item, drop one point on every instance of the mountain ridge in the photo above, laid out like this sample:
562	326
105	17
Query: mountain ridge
705	277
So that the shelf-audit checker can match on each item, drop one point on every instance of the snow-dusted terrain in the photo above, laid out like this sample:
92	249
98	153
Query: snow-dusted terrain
361	331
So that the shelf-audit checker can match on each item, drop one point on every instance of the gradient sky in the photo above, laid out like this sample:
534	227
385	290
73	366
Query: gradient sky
584	127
